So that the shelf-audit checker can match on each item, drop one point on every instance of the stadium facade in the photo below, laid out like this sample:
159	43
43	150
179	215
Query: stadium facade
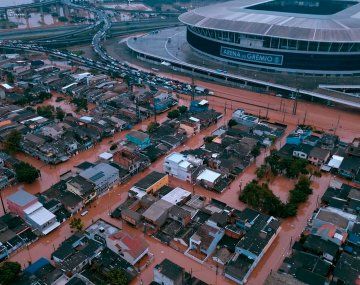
307	36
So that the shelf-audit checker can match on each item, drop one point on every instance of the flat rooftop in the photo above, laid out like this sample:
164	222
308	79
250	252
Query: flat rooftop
319	7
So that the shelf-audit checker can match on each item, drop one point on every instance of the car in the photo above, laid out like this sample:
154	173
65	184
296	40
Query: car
84	213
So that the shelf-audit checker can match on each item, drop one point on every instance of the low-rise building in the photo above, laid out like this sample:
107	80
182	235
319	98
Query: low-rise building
129	247
103	175
82	187
140	139
152	182
157	213
181	166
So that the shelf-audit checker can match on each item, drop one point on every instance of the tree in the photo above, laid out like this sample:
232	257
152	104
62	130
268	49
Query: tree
152	127
117	276
63	19
12	142
25	172
113	146
76	224
261	171
10	77
232	123
45	111
9	271
44	96
60	114
209	139
182	109
256	150
81	103
173	114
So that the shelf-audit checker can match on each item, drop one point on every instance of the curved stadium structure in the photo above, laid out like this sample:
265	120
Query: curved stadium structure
306	36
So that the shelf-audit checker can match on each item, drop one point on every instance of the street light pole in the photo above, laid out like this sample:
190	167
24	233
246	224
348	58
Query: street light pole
2	202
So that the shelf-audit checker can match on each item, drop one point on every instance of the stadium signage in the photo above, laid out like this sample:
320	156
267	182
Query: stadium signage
251	56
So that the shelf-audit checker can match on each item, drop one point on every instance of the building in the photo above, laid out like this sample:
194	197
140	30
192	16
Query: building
204	241
32	211
191	126
302	151
103	175
241	118
181	166
279	36
131	248
157	213
82	187
151	183
208	178
19	201
177	196
163	101
318	156
140	139
169	273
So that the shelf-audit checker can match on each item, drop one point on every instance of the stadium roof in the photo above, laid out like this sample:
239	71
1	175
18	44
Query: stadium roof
237	16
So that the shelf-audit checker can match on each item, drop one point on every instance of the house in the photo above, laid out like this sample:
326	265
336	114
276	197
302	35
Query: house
347	270
177	196
103	175
298	136
169	273
328	141
130	161
191	126
152	182
349	167
318	156
318	246
163	101
332	224
181	166
205	240
82	187
100	230
140	139
208	178
353	148
241	118
19	201
302	151
157	213
180	215
132	217
131	248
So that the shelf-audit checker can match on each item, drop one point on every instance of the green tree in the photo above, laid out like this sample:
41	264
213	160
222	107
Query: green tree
261	171
152	127
25	172
9	77
256	150
44	96
182	109
76	224
60	114
46	111
12	142
81	104
9	271
173	114
232	123
117	276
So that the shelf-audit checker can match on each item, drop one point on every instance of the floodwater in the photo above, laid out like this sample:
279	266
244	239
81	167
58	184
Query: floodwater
291	228
6	3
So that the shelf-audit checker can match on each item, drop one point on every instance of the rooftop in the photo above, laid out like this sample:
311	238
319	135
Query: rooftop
21	198
176	195
149	180
257	17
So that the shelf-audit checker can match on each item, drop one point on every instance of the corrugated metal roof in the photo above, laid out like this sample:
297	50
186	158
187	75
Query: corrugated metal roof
233	16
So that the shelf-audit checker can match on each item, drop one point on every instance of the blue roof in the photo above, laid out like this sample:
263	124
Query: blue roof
37	265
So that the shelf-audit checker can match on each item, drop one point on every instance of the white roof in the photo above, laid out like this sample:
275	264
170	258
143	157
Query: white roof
176	195
6	86
194	119
184	164
175	157
208	175
335	161
106	155
86	118
50	228
32	208
203	102
41	216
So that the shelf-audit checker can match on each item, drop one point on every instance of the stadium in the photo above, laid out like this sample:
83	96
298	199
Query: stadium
311	36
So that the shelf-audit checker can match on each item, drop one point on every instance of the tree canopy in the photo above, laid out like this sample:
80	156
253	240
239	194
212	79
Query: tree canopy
9	271
25	172
12	142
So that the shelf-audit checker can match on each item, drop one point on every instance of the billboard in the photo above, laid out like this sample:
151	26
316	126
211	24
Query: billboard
255	57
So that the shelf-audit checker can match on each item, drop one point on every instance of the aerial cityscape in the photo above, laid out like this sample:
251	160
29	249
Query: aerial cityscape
179	142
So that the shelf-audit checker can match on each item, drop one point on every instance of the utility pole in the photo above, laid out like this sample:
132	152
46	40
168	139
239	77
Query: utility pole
305	117
2	202
295	102
337	124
